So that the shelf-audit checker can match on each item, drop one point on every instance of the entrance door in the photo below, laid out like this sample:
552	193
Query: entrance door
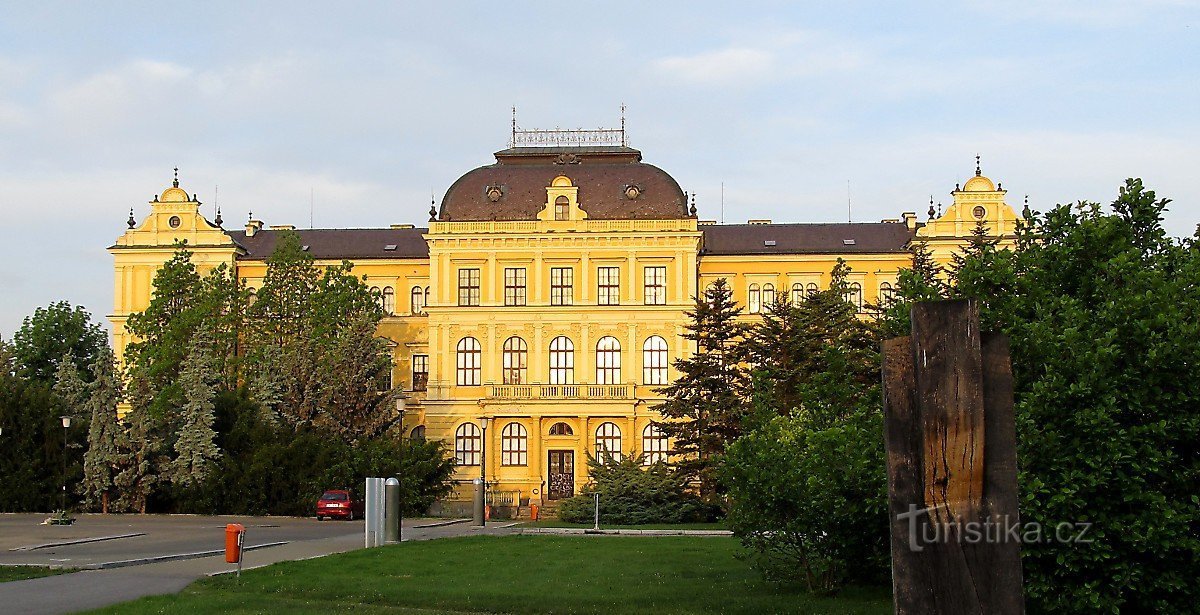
562	475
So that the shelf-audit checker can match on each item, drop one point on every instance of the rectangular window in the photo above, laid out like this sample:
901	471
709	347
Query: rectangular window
514	286
420	372
468	287
609	285
562	286
655	282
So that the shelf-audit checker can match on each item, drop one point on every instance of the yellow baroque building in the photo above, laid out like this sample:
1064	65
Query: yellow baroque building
533	320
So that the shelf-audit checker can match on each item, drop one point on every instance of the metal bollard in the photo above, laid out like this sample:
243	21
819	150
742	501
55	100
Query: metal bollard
477	517
391	511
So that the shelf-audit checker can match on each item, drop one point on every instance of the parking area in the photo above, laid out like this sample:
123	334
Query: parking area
100	540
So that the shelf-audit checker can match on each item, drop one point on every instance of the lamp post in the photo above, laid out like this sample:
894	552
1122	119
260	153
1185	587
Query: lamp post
62	498
480	516
404	441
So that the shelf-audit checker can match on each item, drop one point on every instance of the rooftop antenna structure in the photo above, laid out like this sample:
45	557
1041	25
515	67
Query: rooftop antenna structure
512	142
849	218
722	202
624	142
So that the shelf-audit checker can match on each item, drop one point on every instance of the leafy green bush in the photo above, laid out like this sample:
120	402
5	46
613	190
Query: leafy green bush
634	494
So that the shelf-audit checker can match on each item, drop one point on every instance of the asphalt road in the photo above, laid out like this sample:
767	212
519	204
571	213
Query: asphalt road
163	536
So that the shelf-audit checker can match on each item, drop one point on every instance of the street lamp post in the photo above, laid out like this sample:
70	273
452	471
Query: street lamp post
480	515
404	441
62	498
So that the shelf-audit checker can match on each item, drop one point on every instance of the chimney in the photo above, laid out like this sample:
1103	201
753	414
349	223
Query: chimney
253	227
910	220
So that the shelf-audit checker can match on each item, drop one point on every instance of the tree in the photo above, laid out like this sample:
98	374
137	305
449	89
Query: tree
633	494
356	398
50	334
69	387
32	440
106	437
1103	313
807	485
144	458
703	411
195	449
923	281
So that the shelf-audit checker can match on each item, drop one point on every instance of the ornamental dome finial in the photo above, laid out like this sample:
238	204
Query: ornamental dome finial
131	222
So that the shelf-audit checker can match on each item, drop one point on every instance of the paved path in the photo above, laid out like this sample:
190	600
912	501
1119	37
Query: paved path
90	589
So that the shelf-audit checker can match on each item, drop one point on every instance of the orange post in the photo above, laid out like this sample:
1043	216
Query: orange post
233	542
533	512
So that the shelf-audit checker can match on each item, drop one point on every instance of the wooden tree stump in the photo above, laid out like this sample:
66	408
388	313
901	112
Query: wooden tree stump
951	456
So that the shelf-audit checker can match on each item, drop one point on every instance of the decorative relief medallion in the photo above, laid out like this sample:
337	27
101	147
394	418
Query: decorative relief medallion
174	221
979	212
494	193
632	192
568	158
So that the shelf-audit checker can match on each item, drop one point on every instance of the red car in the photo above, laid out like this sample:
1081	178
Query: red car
338	504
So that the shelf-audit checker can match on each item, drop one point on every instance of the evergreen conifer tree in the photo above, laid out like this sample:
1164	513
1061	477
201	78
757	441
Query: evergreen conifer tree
195	446
106	437
703	410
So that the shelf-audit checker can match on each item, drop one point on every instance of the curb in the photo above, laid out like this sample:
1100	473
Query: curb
439	524
171	558
575	531
77	541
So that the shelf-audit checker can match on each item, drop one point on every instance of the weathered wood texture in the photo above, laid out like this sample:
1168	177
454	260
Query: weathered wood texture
951	453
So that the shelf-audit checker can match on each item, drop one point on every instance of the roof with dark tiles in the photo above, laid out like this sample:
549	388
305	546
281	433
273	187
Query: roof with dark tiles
602	175
844	238
338	244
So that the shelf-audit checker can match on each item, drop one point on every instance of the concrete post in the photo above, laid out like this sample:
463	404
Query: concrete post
391	511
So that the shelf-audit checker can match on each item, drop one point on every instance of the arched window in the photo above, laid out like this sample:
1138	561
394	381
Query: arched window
252	297
378	295
389	300
755	299
468	362
515	355
562	360
514	445
418	433
608	361
426	304
561	429
562	208
797	293
418	301
709	290
854	295
768	296
654	360
886	293
654	445
467	444
812	289
608	442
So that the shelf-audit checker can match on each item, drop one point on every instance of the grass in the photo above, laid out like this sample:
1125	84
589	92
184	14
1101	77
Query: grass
513	574
20	573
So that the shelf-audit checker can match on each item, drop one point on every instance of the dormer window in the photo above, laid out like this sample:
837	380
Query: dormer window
562	208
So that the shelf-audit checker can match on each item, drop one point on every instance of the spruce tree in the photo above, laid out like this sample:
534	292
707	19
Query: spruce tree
924	280
106	437
69	387
195	446
703	410
143	458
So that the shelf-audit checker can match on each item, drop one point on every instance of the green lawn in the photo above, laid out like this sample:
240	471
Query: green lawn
20	573
513	574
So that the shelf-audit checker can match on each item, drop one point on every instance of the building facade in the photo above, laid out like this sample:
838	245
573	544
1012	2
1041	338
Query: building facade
533	320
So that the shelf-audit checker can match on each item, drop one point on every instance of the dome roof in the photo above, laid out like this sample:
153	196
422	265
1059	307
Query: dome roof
979	183
175	194
613	183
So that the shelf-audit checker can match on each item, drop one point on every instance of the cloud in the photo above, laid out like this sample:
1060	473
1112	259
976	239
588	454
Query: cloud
720	67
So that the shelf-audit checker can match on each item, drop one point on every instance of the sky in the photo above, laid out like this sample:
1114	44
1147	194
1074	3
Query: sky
369	109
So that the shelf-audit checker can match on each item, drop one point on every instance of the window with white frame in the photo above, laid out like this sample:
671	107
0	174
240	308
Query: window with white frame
754	299
514	286
515	357
608	281
562	286
467	444
608	361
562	208
417	300
468	287
514	445
887	294
562	360
420	372
654	360
797	293
654	445
389	300
468	362
812	289
608	442
655	284
854	295
768	296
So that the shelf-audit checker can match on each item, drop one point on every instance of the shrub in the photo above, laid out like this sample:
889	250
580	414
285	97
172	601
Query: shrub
634	494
